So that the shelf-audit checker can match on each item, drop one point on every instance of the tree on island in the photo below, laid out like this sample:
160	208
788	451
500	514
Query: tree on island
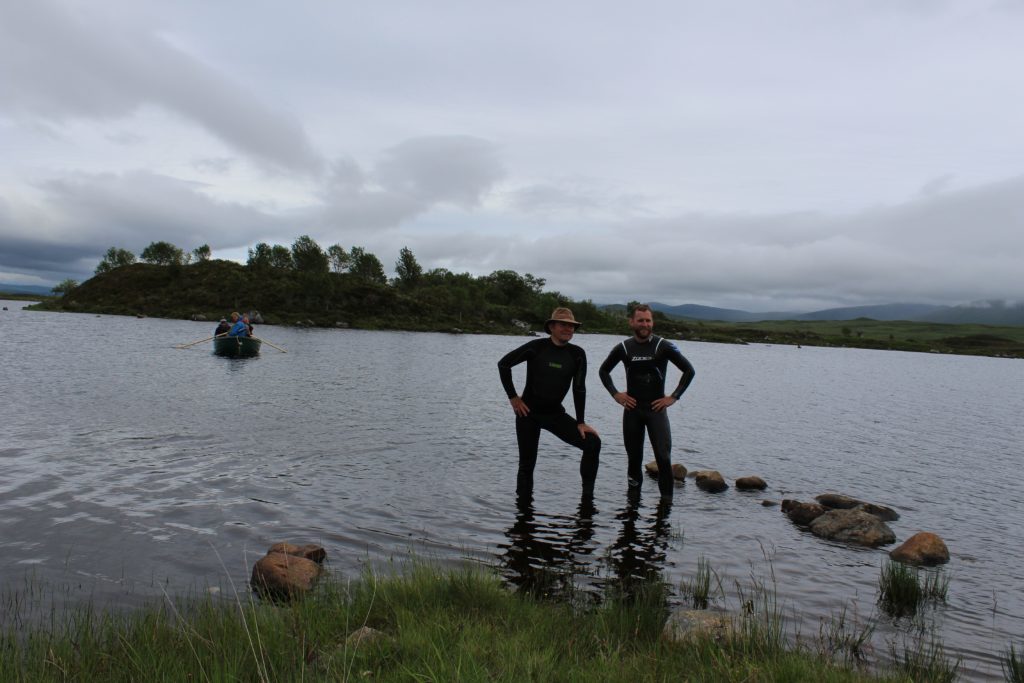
308	257
163	254
410	273
114	258
201	253
64	287
367	266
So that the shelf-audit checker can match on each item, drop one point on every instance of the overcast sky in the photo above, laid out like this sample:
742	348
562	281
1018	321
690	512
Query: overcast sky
763	154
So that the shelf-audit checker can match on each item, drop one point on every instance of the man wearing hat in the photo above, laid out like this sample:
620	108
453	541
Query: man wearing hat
646	356
222	327
553	365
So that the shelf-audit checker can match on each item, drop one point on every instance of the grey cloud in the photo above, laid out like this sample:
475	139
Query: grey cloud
456	169
57	63
86	213
411	178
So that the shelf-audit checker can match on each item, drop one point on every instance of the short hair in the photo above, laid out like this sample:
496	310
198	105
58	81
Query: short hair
641	307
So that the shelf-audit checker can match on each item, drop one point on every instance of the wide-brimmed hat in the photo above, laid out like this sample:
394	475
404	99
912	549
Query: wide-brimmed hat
561	315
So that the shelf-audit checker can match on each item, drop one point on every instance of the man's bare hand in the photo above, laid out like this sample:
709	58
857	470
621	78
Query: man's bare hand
586	429
519	406
662	403
625	400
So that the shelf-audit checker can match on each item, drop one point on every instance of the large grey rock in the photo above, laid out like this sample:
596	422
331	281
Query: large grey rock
838	501
690	625
853	526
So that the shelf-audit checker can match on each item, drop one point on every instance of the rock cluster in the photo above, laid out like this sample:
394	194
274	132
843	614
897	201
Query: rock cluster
288	571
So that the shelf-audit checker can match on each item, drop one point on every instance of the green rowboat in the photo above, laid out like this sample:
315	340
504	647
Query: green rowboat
237	347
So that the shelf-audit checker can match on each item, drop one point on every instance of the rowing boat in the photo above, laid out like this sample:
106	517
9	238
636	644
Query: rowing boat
237	347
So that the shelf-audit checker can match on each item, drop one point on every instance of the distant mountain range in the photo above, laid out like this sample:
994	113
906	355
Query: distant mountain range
25	289
983	313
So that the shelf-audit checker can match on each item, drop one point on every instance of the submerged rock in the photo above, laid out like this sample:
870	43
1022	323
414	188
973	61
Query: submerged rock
853	526
837	501
922	549
751	484
802	513
678	470
711	481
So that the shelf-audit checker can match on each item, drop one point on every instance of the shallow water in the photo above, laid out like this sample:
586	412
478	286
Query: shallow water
131	468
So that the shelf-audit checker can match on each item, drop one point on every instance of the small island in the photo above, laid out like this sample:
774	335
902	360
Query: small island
306	285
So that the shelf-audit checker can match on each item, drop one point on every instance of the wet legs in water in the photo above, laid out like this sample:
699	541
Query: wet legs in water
634	425
564	427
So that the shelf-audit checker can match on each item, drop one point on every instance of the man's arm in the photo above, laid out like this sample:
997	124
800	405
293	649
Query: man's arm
510	360
579	386
605	371
685	367
618	353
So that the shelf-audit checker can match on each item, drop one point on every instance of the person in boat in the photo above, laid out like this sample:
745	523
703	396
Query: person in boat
239	328
553	366
222	327
249	325
645	357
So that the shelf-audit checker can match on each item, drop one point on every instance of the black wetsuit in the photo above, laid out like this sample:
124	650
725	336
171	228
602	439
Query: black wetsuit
550	372
646	363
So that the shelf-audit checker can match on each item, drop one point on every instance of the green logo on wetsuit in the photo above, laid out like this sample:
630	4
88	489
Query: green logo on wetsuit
555	365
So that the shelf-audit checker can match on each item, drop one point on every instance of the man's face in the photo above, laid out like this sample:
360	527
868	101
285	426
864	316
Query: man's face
561	333
642	324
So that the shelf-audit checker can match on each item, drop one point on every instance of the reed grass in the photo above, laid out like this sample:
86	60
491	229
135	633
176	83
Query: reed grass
461	625
699	589
902	591
1012	663
925	661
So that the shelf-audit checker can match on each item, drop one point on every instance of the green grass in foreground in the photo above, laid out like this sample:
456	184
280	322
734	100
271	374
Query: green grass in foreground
439	626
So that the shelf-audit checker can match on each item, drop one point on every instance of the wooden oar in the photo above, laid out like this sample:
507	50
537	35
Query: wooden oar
264	341
185	346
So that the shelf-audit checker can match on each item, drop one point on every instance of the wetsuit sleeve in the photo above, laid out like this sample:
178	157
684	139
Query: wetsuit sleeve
679	360
579	387
605	371
510	360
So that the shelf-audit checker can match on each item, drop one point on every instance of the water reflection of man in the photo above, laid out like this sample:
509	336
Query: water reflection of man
544	557
638	555
553	365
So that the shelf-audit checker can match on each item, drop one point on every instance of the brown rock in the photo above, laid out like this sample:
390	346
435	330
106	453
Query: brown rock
678	471
802	513
922	549
837	501
283	576
711	481
751	484
310	551
852	526
883	513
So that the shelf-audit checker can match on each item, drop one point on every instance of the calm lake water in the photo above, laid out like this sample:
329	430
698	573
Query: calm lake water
131	468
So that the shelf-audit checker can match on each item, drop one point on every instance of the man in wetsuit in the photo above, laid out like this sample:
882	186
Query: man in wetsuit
645	356
553	365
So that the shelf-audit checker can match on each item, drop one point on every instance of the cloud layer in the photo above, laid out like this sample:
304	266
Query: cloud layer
765	156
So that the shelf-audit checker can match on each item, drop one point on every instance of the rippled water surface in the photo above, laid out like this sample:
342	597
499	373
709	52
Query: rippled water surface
131	468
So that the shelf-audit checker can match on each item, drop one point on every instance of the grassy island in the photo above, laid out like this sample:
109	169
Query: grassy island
503	302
